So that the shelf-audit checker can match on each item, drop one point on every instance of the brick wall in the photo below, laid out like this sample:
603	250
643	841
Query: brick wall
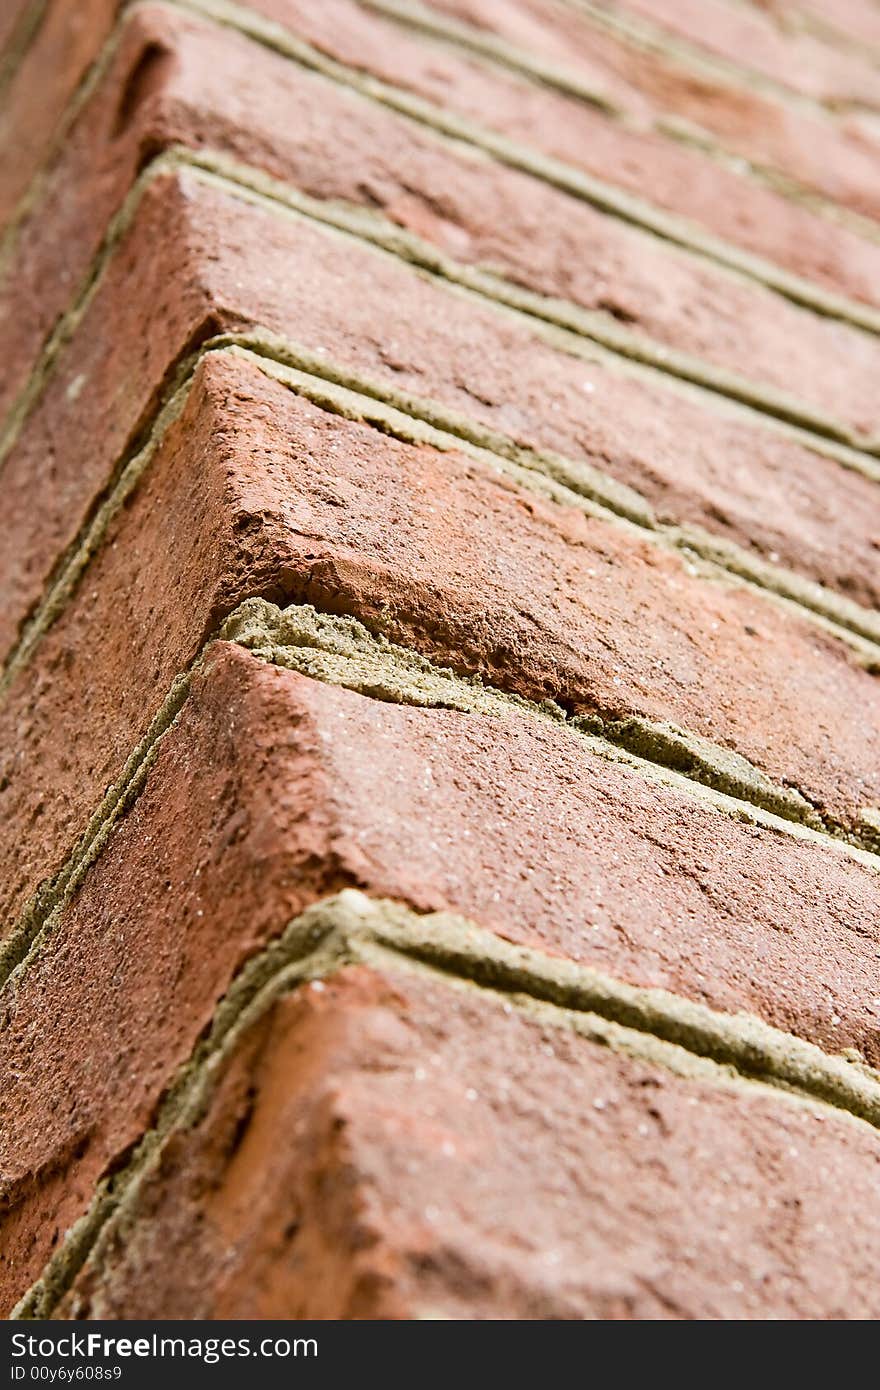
439	718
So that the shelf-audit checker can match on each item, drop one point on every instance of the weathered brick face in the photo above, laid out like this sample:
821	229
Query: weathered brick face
439	712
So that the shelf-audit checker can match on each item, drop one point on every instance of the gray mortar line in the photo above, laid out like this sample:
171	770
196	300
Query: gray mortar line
624	350
819	27
666	744
731	1052
577	183
685	132
68	323
650	1024
299	948
145	761
414	420
851	622
563	325
697	759
75	559
635	31
581	485
499	51
341	651
756	1051
609	200
841	616
43	911
344	651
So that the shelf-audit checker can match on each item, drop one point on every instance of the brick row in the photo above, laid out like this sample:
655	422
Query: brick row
15	22
478	212
54	249
307	589
254	490
683	181
649	87
755	41
277	775
66	43
367	1145
202	261
849	20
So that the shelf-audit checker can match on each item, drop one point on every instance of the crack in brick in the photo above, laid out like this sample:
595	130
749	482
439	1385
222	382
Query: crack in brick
417	420
576	182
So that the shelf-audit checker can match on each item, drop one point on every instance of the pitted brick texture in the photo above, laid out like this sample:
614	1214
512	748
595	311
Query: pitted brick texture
439	723
257	491
263	799
396	1133
225	265
178	81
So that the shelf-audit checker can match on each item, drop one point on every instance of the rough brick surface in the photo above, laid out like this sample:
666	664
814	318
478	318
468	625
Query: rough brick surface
278	774
652	86
737	478
373	1148
849	19
439	716
102	397
646	164
169	85
200	891
256	491
83	185
13	24
752	40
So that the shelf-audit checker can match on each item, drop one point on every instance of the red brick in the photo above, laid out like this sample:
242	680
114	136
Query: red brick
324	1173
255	491
555	603
388	1147
129	119
83	185
666	175
231	838
647	86
344	147
65	45
750	40
217	262
263	799
169	567
853	19
102	396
